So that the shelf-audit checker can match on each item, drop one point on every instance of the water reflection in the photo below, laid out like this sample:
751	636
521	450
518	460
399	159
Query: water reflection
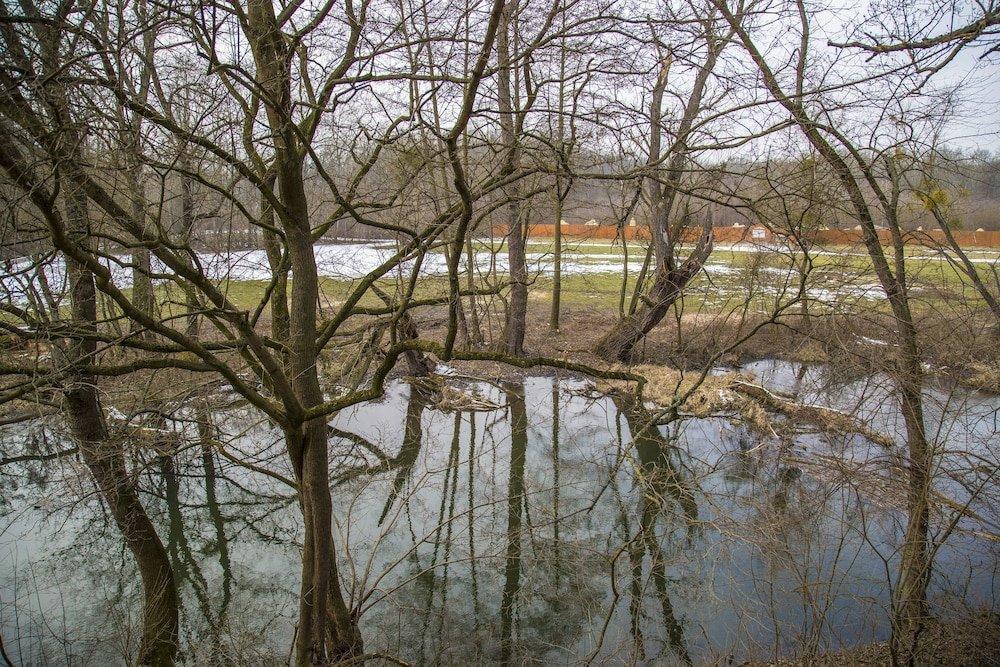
556	528
661	487
516	505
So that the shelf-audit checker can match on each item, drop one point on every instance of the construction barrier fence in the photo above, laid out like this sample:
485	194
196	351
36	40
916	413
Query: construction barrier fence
758	234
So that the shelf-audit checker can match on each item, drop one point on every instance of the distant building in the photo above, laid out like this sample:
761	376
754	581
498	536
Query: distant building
591	223
760	233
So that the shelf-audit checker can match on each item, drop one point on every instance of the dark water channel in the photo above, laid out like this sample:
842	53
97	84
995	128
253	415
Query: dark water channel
553	526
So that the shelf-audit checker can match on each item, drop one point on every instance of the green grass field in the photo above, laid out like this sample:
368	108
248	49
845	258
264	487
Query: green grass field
592	275
841	280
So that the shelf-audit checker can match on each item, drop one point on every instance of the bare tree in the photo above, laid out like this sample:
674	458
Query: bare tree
860	174
69	222
667	168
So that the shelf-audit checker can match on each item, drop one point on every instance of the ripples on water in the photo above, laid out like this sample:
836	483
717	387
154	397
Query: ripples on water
555	528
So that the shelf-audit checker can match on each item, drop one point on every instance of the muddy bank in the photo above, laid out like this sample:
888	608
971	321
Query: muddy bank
967	352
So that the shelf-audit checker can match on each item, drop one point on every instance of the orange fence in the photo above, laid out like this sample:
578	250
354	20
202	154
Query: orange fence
757	234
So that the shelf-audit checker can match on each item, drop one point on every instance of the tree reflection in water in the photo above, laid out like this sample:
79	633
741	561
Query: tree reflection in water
555	527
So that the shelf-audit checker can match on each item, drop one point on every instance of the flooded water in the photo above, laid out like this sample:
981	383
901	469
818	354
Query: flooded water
549	525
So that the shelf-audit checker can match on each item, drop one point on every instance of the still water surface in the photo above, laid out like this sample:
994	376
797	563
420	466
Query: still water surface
549	524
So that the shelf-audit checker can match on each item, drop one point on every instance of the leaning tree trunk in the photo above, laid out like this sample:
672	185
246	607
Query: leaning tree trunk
669	280
158	644
968	266
106	461
910	596
667	286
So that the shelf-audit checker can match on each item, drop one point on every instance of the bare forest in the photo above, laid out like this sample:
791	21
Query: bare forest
341	332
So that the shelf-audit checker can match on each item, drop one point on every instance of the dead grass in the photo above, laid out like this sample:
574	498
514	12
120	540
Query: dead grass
665	384
974	640
984	376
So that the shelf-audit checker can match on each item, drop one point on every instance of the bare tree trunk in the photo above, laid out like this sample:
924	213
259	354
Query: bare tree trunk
142	283
666	288
106	461
82	406
967	265
910	595
517	310
561	137
804	266
279	296
130	131
669	280
557	261
417	362
187	229
327	630
474	327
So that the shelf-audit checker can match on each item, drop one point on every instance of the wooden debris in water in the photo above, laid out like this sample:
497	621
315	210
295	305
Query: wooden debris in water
828	419
664	384
449	397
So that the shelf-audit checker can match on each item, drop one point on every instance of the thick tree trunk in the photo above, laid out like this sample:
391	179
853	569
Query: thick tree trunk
158	644
418	363
910	596
517	310
667	286
327	630
669	279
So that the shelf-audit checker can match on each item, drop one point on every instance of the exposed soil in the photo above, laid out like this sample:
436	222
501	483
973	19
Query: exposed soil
968	351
